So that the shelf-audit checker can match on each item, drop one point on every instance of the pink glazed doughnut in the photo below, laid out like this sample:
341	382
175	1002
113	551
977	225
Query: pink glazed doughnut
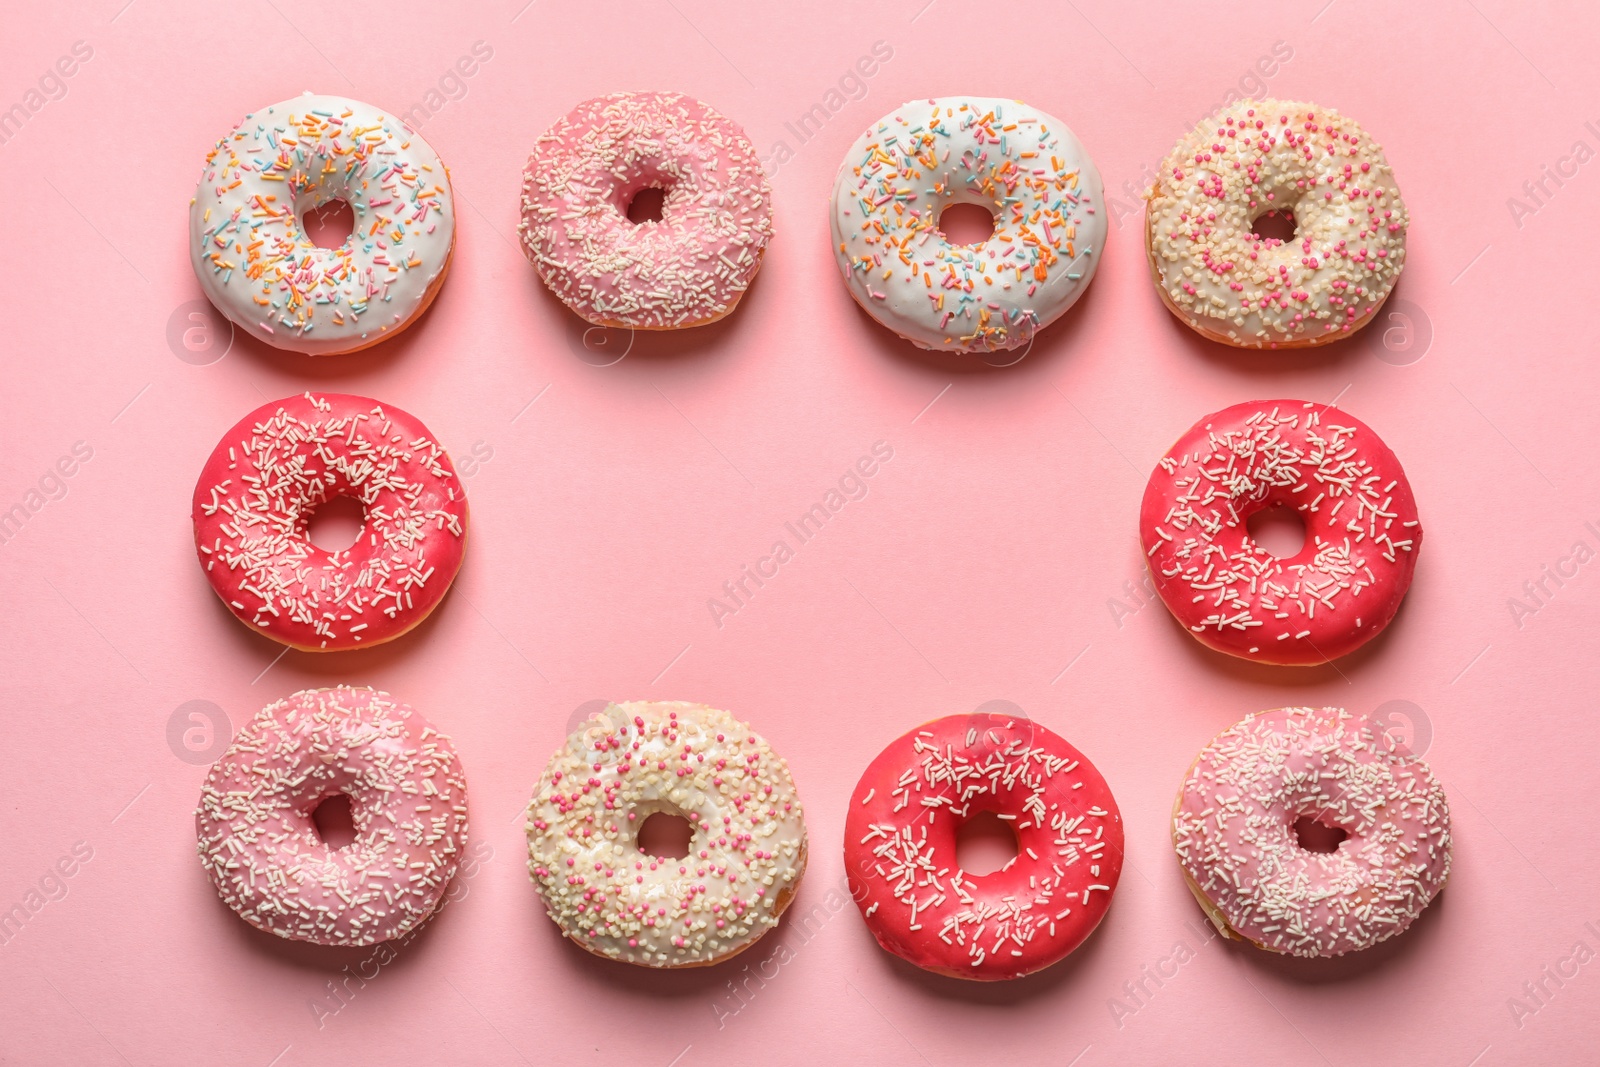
1233	827
408	801
1362	533
688	269
255	498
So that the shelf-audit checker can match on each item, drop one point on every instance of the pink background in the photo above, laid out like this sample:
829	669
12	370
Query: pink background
980	565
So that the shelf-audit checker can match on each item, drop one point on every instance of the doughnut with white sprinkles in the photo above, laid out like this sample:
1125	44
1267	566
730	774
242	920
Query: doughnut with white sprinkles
900	847
408	803
247	239
1275	156
689	268
1233	828
1020	164
624	764
254	501
1362	532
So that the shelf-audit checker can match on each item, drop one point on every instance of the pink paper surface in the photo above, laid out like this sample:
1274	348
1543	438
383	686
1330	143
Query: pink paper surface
992	557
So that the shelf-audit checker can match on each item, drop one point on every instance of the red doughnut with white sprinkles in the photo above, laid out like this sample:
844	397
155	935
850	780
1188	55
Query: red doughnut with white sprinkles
408	802
253	506
629	761
688	268
1345	583
1234	829
900	847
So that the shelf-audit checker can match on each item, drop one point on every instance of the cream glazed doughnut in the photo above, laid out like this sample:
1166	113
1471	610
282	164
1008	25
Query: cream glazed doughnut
253	505
249	248
900	847
688	269
629	761
1233	828
1261	156
408	802
1021	164
1362	532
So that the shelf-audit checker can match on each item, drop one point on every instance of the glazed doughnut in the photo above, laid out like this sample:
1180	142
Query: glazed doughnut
1261	156
1233	827
1022	165
1362	534
248	244
688	269
253	506
408	802
900	847
623	765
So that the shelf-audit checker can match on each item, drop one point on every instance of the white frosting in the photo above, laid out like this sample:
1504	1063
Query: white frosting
252	256
1021	164
1262	156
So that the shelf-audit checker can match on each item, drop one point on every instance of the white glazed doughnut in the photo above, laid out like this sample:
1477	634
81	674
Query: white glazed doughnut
1261	156
408	801
249	248
1019	163
623	765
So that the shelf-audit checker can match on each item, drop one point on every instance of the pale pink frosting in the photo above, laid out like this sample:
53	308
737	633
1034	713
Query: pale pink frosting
1233	826
690	267
408	801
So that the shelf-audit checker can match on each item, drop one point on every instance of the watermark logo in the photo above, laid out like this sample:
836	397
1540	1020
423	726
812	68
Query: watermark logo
198	732
598	346
198	333
1400	333
1401	727
591	709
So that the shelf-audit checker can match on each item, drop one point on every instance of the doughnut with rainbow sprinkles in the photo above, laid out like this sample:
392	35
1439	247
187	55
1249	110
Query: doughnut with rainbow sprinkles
252	511
247	239
900	847
1234	828
1261	157
258	839
1345	583
1020	164
690	267
628	762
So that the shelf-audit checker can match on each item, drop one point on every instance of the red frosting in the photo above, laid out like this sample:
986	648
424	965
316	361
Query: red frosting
900	847
1362	532
254	501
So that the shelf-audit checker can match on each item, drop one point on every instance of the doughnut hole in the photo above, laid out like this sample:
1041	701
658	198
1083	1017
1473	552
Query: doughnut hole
334	821
647	205
1314	835
329	225
665	835
336	523
1275	227
985	843
1277	530
966	224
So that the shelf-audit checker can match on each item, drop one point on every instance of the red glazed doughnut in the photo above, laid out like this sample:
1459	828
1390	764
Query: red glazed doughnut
1362	532
253	506
900	847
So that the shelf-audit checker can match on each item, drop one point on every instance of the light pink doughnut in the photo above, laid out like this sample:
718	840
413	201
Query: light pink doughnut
1234	829
688	269
408	801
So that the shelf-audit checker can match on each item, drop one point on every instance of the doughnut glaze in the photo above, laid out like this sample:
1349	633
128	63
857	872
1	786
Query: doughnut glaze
247	240
687	269
1024	166
1259	156
1233	828
253	505
900	847
408	802
624	764
1362	532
